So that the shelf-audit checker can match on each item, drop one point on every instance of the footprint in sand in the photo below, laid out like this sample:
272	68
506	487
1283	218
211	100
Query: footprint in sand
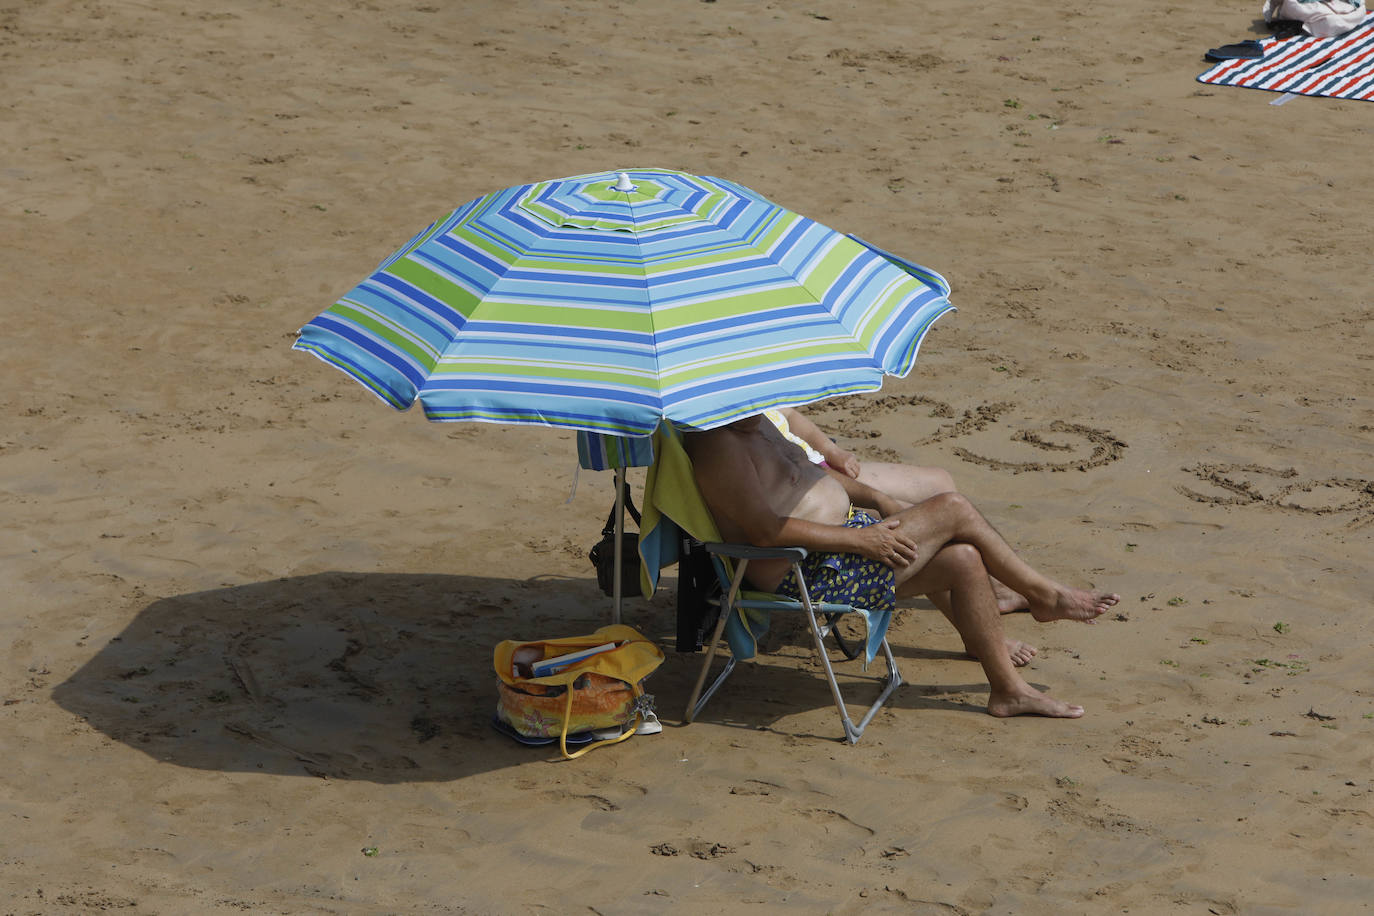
834	820
599	802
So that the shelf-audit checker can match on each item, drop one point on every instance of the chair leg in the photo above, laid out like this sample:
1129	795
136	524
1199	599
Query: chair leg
852	731
891	682
693	708
694	705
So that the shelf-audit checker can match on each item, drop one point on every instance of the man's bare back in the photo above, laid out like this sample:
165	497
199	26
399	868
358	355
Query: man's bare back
791	484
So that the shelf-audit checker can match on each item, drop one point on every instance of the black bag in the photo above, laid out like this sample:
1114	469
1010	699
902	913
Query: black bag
698	595
602	553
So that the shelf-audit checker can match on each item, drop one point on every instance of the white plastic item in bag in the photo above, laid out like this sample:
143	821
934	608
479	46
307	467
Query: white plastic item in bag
1319	18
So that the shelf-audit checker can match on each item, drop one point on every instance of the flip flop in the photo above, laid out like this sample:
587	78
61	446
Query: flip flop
573	739
1241	50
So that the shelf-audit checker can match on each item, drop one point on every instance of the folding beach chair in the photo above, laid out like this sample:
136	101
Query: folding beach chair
743	616
675	517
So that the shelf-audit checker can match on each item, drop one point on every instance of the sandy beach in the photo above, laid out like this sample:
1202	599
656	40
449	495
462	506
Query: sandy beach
250	609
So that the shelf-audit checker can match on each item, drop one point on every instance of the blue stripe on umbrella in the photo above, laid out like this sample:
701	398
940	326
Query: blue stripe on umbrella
368	349
346	358
436	314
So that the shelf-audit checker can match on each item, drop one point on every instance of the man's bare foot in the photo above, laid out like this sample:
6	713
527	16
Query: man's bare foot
1031	702
1008	600
1075	604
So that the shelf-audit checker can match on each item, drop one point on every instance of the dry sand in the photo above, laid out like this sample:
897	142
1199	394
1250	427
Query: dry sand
249	610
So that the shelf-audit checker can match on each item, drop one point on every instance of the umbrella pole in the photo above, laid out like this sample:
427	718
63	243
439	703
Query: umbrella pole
619	547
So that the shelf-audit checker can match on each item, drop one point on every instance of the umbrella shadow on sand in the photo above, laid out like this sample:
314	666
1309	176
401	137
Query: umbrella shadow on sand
387	677
373	676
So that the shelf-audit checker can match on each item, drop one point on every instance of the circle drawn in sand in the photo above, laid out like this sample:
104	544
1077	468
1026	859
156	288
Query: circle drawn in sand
1104	448
1236	479
849	416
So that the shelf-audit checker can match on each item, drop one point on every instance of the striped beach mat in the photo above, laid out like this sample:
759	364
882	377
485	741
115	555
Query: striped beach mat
1339	68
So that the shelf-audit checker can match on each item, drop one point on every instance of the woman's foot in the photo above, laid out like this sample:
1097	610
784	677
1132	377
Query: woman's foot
1019	652
1074	604
1008	600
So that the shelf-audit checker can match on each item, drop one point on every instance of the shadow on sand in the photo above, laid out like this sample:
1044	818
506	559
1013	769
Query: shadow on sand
378	677
387	677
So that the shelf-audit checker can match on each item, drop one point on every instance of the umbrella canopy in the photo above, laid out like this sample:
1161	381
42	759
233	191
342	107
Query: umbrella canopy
608	302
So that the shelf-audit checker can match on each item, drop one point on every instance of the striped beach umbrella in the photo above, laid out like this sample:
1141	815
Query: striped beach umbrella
605	303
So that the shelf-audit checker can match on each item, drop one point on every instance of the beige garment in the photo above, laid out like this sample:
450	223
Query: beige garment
1319	18
780	421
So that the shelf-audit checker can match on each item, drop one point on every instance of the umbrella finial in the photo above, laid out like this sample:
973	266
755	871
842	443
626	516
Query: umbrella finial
624	183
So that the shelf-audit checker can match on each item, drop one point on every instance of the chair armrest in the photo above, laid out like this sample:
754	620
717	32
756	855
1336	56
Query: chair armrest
749	552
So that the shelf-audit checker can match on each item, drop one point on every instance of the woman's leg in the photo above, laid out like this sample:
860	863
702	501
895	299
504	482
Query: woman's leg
915	484
959	570
1021	652
950	518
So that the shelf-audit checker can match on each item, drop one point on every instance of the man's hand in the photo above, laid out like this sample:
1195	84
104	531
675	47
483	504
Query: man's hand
886	543
842	460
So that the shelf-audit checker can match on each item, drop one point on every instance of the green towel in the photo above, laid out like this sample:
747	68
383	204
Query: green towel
672	504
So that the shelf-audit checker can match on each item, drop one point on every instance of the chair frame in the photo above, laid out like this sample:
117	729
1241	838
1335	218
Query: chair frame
730	600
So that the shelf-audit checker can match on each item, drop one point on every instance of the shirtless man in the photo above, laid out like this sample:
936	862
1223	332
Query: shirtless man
763	490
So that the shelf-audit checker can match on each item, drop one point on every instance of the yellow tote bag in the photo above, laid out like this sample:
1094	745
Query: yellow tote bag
542	693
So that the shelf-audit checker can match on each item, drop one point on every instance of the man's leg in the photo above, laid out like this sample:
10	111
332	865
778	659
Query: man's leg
950	518
959	569
915	484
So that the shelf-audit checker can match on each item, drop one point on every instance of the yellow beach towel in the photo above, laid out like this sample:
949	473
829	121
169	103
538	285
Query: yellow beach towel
672	504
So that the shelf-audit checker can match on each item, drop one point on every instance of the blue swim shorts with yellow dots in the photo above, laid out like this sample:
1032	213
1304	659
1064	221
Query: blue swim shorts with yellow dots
845	578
